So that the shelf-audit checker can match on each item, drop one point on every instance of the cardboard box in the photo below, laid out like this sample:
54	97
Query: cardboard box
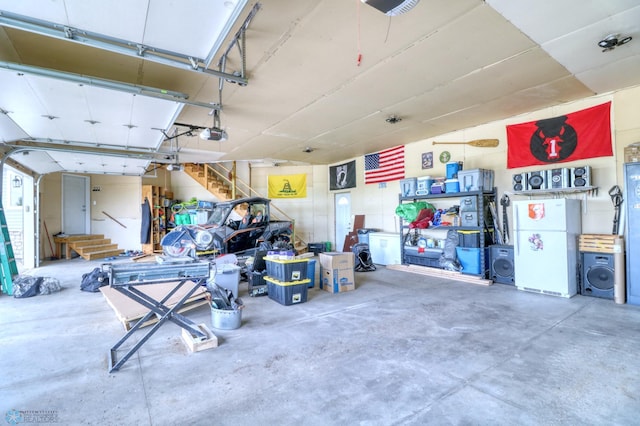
336	271
337	280
337	260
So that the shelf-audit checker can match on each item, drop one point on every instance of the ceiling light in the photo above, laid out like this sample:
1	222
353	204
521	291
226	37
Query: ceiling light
175	167
308	149
611	41
393	119
392	7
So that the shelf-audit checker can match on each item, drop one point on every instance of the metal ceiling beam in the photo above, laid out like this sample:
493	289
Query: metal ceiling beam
136	89
111	151
113	44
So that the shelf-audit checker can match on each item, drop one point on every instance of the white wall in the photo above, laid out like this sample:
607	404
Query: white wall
315	217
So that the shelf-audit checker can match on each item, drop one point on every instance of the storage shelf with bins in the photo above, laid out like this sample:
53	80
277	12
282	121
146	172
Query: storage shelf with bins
481	199
159	201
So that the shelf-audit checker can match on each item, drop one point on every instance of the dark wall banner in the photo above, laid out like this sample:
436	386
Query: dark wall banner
576	136
342	176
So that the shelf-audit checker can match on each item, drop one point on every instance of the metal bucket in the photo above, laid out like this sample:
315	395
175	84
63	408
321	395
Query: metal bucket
226	319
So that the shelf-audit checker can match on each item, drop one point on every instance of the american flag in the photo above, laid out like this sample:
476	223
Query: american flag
384	166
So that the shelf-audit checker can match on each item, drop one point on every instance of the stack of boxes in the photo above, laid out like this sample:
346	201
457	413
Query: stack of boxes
337	272
286	278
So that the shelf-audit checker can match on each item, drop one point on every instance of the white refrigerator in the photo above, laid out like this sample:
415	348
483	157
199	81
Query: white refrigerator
546	245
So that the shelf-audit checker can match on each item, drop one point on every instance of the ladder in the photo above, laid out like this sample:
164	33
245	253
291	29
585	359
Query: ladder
7	259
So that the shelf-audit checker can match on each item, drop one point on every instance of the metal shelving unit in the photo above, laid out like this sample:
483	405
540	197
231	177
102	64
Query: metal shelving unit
482	198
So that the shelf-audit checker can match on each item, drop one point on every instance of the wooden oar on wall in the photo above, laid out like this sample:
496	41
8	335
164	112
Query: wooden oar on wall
481	143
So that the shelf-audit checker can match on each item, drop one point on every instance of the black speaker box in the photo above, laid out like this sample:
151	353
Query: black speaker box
519	181
581	176
598	275
537	180
502	266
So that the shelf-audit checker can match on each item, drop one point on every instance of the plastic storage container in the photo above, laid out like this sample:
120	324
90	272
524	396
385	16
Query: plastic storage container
453	168
257	286
424	257
469	204
287	270
451	185
471	239
423	186
468	218
408	187
227	276
317	248
475	180
469	258
287	293
311	273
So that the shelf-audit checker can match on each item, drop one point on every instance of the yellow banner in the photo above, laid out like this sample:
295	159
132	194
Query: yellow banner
288	186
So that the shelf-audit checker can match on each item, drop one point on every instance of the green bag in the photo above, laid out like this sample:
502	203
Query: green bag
409	211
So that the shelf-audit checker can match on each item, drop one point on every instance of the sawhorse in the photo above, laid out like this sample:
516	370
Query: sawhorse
157	308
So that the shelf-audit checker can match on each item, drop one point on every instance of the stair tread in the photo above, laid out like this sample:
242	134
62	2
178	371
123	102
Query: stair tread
88	243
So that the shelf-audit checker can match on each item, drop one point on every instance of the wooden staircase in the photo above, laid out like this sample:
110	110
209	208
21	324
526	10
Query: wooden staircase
211	182
91	247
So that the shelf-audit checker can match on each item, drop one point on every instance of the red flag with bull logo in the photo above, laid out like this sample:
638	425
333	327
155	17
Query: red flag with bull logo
576	136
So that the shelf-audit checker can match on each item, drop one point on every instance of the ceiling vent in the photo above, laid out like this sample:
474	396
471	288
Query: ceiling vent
392	7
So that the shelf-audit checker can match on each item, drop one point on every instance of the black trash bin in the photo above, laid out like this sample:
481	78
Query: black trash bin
363	235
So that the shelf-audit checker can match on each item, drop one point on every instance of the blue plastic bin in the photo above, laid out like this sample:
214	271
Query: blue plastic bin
311	273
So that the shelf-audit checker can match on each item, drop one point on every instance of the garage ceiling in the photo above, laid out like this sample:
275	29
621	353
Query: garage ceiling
441	67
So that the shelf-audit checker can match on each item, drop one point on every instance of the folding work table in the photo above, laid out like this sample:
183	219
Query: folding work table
125	277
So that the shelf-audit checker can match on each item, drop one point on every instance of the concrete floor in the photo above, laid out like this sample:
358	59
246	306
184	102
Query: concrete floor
402	349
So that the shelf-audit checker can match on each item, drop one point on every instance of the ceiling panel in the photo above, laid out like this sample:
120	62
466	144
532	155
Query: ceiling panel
38	161
88	163
546	21
9	130
47	108
440	67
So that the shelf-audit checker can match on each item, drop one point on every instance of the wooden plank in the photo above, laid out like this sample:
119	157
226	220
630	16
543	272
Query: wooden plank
128	311
598	243
196	345
441	273
102	254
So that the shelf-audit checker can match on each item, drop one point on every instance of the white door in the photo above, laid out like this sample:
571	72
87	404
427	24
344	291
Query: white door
343	218
75	204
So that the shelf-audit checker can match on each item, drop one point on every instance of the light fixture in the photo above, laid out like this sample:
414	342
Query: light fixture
392	7
175	167
308	150
611	41
393	119
16	182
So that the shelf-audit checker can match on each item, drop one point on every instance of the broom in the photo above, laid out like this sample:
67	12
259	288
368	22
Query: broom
53	253
481	143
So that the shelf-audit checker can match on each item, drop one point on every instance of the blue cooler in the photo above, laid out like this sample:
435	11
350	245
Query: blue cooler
453	167
451	185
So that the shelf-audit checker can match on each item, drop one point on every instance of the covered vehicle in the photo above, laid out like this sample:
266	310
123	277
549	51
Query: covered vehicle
237	226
